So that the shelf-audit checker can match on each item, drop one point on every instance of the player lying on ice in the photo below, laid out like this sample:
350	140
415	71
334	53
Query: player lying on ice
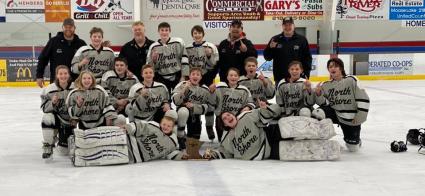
133	143
245	138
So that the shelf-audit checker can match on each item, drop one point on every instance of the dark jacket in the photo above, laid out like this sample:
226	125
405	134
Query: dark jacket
287	50
231	56
59	52
135	56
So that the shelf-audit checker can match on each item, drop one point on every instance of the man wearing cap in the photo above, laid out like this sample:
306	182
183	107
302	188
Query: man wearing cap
234	50
286	47
136	50
59	50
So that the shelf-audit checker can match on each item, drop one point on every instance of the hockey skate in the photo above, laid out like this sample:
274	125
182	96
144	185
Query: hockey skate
353	147
71	147
47	151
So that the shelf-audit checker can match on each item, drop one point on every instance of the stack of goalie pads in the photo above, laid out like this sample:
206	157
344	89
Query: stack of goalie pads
105	145
307	139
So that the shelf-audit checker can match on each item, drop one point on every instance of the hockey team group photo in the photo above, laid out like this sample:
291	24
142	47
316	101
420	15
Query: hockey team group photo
212	97
154	99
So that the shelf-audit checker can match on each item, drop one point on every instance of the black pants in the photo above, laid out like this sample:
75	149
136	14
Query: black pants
159	114
273	137
219	127
168	83
208	78
351	133
194	126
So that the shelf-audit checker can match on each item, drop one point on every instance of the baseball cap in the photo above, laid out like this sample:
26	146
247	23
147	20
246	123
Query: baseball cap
288	19
68	21
236	22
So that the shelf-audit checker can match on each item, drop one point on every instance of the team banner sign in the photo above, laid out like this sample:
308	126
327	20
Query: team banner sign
407	10
57	10
21	70
24	10
298	9
102	10
391	64
226	10
166	10
362	10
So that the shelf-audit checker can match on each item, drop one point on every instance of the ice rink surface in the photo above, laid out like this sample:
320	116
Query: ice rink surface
396	106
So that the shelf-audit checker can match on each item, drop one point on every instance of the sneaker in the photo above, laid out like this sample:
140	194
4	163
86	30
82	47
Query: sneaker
47	151
210	132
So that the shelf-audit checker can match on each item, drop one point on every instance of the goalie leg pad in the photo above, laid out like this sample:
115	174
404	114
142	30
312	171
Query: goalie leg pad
300	127
100	136
309	150
103	155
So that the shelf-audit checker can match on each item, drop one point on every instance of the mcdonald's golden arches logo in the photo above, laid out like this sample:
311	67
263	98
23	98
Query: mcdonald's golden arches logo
24	72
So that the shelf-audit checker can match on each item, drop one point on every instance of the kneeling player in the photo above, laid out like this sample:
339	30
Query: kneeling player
149	100
344	102
118	84
88	104
260	86
56	118
192	101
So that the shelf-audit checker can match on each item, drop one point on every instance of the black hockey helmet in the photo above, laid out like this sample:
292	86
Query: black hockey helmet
412	136
398	146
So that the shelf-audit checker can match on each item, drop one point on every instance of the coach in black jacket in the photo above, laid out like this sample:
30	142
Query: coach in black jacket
286	47
136	50
234	50
59	51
